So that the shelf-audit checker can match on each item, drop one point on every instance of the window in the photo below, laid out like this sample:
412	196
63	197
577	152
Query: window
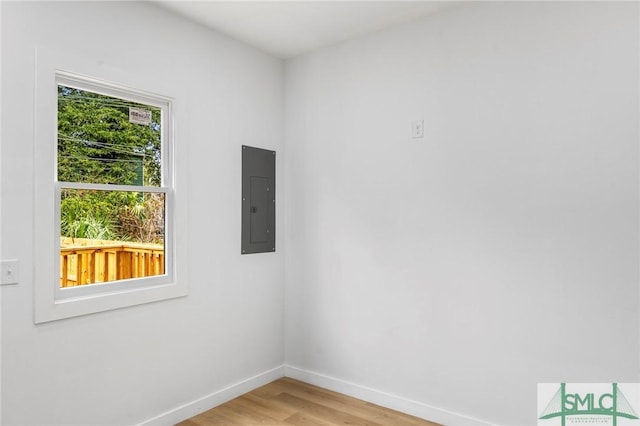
112	219
112	188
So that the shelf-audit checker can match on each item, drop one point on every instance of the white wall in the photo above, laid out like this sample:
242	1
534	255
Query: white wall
499	251
129	365
1	214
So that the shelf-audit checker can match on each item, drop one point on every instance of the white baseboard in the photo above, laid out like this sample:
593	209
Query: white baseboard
383	399
214	399
364	393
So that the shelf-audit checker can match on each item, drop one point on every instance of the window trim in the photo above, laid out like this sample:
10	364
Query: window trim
51	301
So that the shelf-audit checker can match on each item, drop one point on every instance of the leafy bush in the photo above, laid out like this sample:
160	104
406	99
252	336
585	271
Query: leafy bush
86	216
112	215
144	220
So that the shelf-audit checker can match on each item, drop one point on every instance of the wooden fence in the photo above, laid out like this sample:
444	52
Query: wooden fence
84	261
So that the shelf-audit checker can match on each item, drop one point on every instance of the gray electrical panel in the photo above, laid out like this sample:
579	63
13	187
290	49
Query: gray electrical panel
258	200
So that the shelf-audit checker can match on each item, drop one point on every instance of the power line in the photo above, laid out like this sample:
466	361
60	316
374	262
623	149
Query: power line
105	100
105	160
113	147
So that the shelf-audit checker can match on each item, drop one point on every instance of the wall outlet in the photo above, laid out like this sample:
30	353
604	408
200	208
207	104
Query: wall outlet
417	128
9	273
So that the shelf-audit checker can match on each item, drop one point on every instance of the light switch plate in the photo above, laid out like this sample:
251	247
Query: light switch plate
9	272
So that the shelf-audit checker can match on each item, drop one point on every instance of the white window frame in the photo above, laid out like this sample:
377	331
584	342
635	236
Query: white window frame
51	301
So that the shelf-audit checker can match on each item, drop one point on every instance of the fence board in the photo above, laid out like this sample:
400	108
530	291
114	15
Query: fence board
84	261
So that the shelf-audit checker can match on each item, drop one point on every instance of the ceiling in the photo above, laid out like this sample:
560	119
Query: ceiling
290	28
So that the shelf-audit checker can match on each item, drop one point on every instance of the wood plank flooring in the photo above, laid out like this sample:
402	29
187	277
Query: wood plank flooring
290	402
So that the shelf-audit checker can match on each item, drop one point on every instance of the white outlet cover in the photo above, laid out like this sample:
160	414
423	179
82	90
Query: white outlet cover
417	129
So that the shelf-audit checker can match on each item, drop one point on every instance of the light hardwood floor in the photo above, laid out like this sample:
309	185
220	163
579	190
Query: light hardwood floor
290	402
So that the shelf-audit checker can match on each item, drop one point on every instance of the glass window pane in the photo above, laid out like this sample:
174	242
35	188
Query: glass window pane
108	140
110	235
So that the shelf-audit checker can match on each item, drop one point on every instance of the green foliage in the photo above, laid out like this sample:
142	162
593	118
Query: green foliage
112	215
144	220
98	144
87	215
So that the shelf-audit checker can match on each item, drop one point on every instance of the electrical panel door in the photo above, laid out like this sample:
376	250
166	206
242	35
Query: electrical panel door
258	200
